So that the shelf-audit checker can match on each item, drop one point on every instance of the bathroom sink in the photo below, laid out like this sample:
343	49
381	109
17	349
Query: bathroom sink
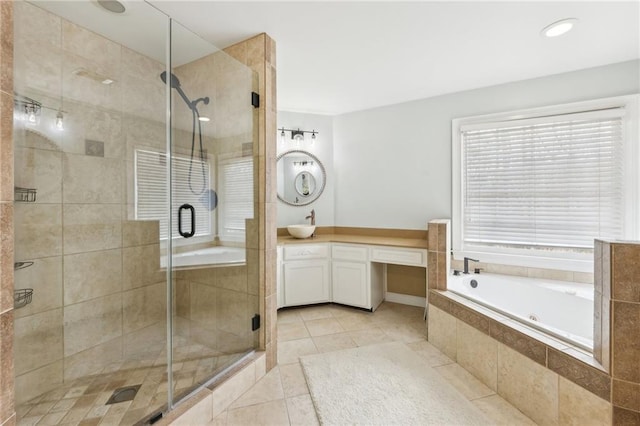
301	231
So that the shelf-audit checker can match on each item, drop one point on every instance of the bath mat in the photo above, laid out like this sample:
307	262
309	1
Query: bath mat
384	385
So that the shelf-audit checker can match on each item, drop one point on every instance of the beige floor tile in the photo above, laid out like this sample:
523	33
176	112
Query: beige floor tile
353	322
406	333
339	311
316	312
293	381
221	420
323	326
268	413
52	418
433	356
370	336
464	382
290	351
288	316
301	411
500	412
267	389
292	331
334	342
29	421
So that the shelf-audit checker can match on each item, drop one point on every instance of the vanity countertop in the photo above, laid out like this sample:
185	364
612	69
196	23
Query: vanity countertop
401	239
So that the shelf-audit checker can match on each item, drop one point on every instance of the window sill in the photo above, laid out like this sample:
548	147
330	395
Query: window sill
579	264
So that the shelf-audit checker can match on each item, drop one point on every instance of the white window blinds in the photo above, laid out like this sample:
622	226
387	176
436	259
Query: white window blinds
236	196
546	182
151	191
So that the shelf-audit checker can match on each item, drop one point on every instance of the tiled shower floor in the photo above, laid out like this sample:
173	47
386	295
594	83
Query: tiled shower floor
83	401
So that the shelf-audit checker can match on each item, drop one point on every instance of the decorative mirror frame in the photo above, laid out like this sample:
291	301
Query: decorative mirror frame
320	189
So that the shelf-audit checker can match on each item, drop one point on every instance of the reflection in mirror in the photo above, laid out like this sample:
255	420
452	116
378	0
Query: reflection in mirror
301	178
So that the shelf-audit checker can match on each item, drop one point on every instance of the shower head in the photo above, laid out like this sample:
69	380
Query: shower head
175	83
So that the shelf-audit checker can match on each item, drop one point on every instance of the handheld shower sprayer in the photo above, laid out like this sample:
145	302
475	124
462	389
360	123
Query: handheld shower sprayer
174	83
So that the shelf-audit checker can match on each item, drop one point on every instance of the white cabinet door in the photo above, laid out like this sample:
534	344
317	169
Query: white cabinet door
350	284
279	289
305	282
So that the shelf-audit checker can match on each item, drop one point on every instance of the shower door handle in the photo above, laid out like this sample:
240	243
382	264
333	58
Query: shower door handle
193	221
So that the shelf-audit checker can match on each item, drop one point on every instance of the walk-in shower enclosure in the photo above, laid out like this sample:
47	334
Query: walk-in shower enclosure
134	175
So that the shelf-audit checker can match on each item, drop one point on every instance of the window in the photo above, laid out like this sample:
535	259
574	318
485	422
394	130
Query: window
236	197
537	189
190	185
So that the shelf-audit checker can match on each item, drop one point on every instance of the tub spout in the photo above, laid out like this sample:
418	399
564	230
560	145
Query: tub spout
466	264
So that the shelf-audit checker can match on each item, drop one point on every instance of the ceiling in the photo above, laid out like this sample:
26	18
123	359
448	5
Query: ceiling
341	56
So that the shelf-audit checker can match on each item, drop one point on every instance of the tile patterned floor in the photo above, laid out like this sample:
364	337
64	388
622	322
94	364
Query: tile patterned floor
83	401
282	396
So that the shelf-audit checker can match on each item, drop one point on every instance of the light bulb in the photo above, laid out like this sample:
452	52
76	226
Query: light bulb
282	137
313	137
59	122
31	116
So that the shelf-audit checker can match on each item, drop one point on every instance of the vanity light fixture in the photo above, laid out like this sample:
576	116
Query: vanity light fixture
30	111
559	27
297	135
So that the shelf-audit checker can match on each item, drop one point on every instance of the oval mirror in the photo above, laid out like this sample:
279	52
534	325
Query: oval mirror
301	177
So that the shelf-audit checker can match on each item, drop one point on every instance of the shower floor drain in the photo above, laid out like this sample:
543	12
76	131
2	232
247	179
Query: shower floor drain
126	393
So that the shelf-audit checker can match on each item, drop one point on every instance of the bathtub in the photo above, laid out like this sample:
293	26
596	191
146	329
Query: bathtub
207	257
561	309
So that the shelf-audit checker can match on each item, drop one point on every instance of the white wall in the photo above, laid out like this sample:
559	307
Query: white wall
392	165
323	149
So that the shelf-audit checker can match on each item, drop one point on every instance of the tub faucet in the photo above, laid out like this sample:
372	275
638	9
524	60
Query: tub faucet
466	264
312	216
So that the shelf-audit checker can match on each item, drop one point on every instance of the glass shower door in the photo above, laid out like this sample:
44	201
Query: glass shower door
214	296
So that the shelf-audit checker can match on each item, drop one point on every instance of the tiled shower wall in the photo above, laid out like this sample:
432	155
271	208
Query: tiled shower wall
7	407
259	53
99	294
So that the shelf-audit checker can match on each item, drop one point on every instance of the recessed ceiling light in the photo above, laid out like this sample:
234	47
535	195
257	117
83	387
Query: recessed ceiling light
559	27
202	118
112	6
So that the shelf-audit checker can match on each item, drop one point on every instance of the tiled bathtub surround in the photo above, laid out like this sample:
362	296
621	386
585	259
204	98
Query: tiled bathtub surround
617	325
612	372
538	375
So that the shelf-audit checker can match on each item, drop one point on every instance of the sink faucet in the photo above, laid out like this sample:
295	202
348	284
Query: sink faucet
466	264
312	216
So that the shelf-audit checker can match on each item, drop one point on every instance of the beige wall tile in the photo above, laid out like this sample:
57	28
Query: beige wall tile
6	256
550	274
232	278
140	232
578	406
442	331
625	341
233	388
38	231
39	169
478	354
200	413
38	340
268	388
37	46
144	306
530	387
231	312
92	179
182	296
91	323
84	122
625	267
6	366
141	266
93	360
463	381
149	340
39	381
45	278
203	305
91	227
105	276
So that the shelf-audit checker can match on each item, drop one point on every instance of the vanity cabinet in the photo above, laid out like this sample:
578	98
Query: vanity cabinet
305	275
350	275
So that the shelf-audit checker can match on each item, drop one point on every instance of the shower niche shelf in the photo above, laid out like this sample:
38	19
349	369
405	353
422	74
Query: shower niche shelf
24	195
21	265
22	298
